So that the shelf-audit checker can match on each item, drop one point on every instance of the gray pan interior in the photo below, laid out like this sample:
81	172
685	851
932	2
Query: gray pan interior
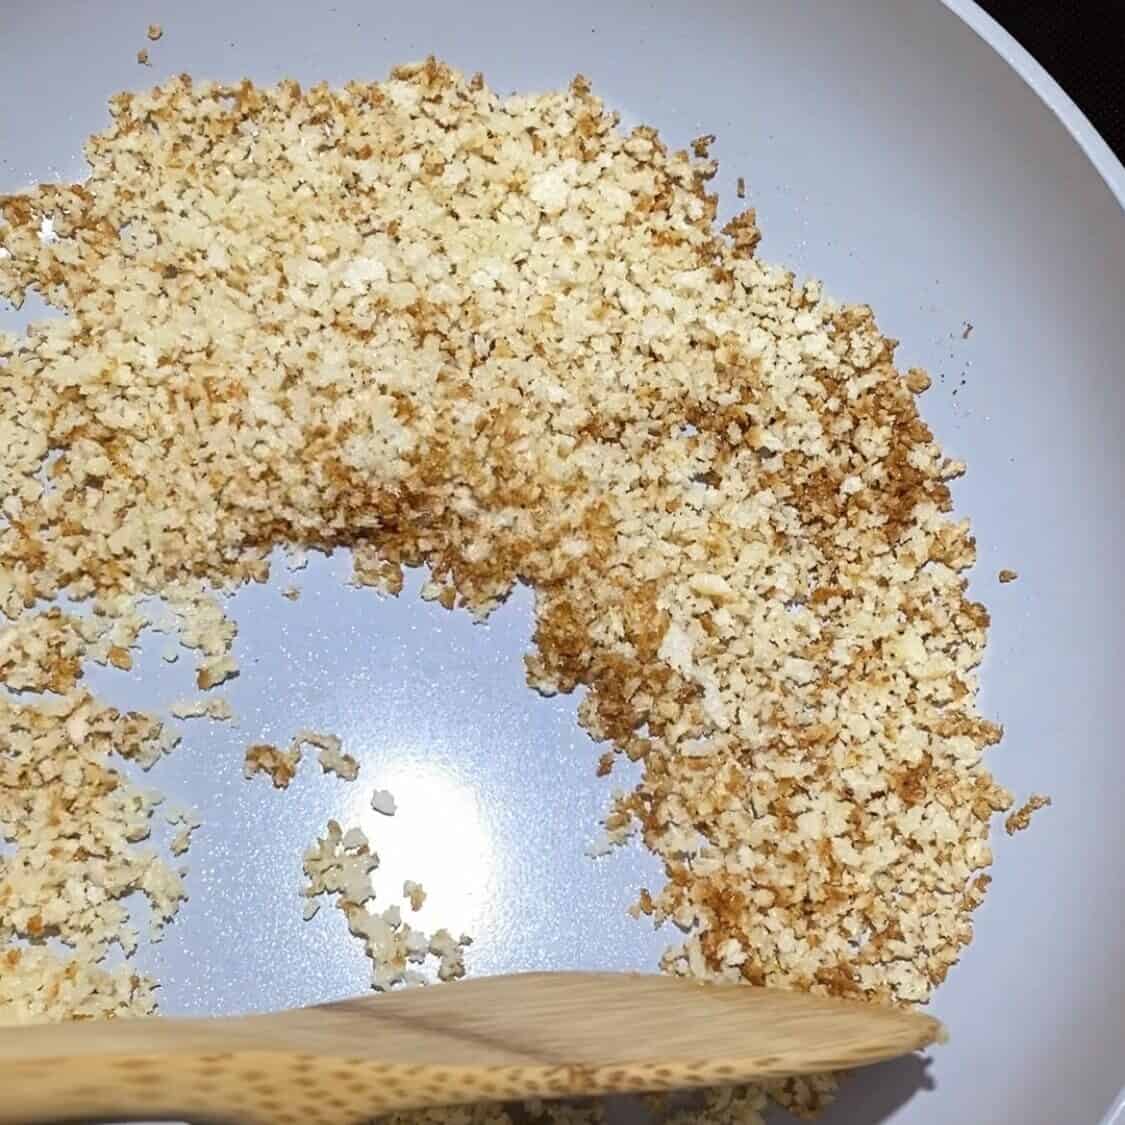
892	152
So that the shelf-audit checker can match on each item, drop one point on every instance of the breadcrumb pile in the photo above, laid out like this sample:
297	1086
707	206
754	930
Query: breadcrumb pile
76	820
499	337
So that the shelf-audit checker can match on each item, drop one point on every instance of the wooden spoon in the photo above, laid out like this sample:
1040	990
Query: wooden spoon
543	1035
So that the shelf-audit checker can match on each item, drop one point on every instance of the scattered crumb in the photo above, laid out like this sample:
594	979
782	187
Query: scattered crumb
918	381
291	592
643	905
329	754
1021	818
155	31
740	188
279	765
142	57
214	672
343	765
415	893
341	864
967	331
186	821
382	801
1006	575
188	708
701	146
218	709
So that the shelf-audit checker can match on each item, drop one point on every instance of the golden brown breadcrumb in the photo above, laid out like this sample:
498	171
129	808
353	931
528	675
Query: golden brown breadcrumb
500	337
1021	818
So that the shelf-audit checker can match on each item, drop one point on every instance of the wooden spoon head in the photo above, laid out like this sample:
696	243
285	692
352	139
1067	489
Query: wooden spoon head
494	1039
606	1021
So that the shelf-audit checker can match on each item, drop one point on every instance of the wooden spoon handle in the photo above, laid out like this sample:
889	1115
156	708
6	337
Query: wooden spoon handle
262	1087
272	1087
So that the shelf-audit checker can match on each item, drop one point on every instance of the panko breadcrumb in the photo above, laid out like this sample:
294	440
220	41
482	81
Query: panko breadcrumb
211	673
414	893
80	831
330	753
185	822
1021	819
500	337
341	863
218	709
280	766
383	801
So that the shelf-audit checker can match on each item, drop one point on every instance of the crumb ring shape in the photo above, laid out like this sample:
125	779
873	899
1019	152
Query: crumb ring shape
499	337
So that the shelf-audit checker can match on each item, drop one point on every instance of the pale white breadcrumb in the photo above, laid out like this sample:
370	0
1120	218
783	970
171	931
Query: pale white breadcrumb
341	864
218	709
185	822
329	753
383	801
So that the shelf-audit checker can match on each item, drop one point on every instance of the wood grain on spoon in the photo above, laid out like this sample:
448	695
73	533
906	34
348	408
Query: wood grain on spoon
494	1039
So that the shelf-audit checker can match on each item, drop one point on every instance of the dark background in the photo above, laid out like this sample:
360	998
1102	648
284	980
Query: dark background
1082	46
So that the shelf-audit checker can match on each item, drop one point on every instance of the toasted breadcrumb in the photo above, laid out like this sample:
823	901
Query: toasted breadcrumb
155	31
42	652
918	381
1007	576
534	359
142	57
214	672
76	824
291	592
280	766
1021	818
